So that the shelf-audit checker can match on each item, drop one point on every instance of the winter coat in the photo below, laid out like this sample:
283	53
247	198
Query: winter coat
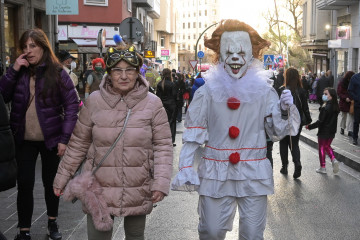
7	149
141	161
354	89
327	122
57	115
343	94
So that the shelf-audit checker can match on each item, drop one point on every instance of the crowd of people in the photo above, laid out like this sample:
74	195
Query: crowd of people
124	132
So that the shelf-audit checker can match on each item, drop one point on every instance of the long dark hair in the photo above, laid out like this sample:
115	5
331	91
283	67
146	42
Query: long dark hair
292	79
346	79
334	99
53	66
166	75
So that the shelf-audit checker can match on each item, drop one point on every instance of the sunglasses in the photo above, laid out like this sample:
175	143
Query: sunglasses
113	56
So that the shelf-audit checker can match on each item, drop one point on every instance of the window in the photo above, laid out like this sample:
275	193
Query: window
189	25
184	36
188	36
194	24
129	5
194	36
200	13
205	25
184	58
313	18
214	12
101	3
199	24
183	15
200	47
183	25
183	46
205	12
162	42
189	47
189	14
304	19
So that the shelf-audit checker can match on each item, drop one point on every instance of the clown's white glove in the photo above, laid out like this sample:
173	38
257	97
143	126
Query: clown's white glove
286	99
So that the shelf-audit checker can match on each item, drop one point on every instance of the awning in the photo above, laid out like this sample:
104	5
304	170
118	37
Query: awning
90	45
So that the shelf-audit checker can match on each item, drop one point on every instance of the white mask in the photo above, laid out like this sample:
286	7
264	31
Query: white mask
236	52
73	65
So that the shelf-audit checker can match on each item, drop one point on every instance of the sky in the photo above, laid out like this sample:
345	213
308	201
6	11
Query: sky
248	11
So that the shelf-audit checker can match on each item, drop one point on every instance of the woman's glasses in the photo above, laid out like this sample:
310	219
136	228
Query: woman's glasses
119	71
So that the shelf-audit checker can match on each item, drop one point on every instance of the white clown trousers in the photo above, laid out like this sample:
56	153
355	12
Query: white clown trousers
217	216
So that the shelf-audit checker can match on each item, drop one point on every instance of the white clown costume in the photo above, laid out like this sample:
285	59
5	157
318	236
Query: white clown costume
225	137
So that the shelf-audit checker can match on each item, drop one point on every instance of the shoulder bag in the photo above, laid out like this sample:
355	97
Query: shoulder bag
87	189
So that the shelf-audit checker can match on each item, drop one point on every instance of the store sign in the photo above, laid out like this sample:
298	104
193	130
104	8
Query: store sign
62	33
149	54
164	58
88	31
62	7
343	32
165	52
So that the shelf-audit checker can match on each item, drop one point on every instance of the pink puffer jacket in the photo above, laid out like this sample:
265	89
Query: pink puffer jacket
140	163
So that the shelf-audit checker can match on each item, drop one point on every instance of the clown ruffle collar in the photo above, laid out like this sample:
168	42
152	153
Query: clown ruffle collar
222	86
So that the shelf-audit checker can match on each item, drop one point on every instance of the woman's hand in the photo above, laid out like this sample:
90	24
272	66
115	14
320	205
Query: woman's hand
348	100
157	196
21	61
61	149
58	192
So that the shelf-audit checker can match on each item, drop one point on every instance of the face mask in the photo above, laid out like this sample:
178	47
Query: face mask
98	69
73	65
324	98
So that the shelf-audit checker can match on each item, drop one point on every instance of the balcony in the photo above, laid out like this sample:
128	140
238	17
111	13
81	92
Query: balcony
154	12
334	4
143	3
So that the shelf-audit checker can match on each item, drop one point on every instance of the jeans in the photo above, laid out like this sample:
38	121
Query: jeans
295	152
134	227
26	156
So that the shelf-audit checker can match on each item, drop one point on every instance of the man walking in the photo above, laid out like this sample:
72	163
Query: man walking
354	92
321	85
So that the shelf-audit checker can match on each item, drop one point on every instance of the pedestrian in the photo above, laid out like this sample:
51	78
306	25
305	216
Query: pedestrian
327	125
136	173
7	157
346	119
180	86
279	81
354	92
293	83
95	77
330	77
198	82
227	115
42	118
167	92
66	59
321	85
186	95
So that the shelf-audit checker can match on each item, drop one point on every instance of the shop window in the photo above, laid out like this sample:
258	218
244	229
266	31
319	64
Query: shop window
162	42
183	25
10	32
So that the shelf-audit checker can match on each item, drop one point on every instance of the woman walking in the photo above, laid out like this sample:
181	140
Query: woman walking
293	83
346	118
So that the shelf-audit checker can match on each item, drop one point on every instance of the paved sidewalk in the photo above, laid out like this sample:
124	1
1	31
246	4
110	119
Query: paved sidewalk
342	145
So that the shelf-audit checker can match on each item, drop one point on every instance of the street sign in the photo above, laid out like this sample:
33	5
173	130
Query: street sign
193	63
268	60
149	54
131	30
200	54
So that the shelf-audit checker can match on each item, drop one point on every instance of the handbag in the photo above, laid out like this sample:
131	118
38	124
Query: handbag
87	189
351	110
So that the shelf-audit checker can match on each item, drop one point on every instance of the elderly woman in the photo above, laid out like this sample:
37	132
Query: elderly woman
136	174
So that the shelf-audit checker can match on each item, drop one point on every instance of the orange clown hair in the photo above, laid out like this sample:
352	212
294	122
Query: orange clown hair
232	25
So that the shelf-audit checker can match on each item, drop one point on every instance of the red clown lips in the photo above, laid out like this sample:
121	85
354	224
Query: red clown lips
234	158
233	103
234	132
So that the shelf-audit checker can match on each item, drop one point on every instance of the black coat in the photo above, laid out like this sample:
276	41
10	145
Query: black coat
7	150
321	85
327	122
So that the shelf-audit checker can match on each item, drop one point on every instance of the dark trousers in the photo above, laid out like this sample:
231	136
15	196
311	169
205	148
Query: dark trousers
179	111
26	155
295	153
356	122
269	146
171	113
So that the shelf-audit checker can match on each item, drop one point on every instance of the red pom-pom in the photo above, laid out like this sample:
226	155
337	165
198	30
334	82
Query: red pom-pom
234	158
233	103
234	132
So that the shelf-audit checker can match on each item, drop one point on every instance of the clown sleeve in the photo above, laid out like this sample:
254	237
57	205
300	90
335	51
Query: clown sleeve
195	134
280	123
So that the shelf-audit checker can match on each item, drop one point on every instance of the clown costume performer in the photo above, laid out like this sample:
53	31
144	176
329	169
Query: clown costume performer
225	135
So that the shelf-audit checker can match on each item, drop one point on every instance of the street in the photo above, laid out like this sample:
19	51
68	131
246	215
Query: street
315	206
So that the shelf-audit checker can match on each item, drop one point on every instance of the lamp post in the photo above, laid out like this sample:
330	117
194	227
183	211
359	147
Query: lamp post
197	42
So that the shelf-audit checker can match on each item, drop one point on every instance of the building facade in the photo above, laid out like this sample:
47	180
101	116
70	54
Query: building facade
193	18
16	16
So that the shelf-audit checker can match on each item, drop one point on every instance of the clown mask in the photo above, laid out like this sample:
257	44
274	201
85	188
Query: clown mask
236	52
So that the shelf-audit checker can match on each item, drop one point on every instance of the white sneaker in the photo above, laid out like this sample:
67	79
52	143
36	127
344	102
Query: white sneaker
321	170
335	165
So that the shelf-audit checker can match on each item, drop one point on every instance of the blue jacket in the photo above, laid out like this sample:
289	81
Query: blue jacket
197	83
354	89
57	117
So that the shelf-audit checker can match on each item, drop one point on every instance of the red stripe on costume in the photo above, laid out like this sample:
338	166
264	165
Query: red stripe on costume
184	167
195	127
248	160
219	149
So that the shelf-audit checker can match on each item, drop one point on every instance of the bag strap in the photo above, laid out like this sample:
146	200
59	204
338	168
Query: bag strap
116	141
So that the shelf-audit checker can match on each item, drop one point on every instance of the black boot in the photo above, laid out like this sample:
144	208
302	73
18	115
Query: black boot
284	170
53	230
342	131
297	172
